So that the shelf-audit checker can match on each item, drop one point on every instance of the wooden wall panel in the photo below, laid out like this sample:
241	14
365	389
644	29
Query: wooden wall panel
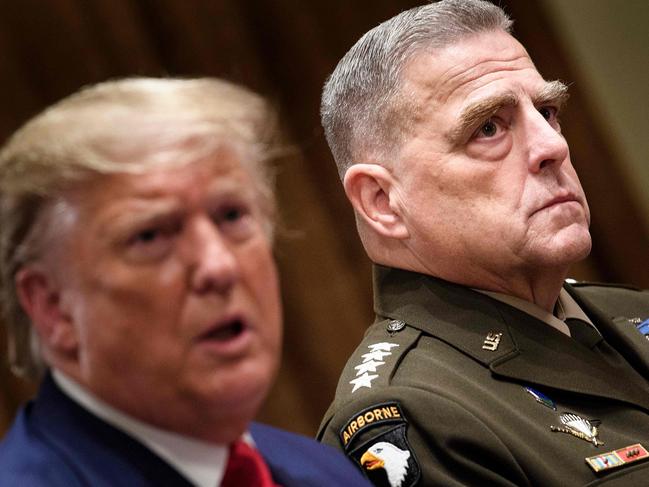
285	49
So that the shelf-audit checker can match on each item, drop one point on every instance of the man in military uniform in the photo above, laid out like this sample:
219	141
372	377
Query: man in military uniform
483	367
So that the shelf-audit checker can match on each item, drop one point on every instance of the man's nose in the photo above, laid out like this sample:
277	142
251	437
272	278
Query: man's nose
547	147
214	265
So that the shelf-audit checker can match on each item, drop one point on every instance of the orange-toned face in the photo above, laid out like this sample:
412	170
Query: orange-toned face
171	287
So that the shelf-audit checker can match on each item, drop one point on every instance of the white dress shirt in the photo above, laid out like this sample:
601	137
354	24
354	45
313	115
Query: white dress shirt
202	463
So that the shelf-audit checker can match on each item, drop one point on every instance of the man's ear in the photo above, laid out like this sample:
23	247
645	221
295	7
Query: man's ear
41	300
372	192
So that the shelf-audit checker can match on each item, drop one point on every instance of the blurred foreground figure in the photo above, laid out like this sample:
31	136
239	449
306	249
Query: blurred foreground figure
138	281
483	368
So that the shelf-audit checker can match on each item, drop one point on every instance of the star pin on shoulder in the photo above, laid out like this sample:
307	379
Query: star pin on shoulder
371	361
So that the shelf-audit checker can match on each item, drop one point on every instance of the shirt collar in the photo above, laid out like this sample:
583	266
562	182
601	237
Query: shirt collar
201	462
565	308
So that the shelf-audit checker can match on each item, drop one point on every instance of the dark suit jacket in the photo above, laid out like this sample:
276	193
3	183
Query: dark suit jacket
439	388
56	442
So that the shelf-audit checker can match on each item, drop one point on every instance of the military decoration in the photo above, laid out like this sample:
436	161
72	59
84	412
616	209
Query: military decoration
575	425
642	327
365	372
541	398
618	458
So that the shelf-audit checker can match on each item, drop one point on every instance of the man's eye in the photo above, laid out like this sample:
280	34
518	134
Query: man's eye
235	221
488	129
147	236
232	214
549	113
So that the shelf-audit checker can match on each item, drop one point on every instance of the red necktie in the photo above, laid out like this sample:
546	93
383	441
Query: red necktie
246	468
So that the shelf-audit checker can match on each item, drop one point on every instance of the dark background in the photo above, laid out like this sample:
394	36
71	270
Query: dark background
285	49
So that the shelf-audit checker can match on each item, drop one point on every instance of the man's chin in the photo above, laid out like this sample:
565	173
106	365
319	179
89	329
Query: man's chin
566	249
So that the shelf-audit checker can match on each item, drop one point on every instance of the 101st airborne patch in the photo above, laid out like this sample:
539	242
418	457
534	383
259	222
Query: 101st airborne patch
386	457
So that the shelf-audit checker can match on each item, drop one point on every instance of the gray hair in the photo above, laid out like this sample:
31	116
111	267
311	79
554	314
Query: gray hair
362	112
123	126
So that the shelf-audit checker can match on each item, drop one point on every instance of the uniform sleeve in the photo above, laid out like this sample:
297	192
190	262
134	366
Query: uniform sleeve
440	442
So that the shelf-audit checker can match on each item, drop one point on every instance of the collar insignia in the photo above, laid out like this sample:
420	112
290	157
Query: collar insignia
491	341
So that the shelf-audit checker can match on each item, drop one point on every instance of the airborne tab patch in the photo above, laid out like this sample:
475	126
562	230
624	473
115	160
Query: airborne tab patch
384	413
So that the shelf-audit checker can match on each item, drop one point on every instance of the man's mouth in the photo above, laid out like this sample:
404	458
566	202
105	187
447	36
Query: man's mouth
224	331
556	201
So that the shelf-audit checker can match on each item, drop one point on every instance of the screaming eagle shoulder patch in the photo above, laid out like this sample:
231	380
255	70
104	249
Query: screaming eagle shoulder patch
385	457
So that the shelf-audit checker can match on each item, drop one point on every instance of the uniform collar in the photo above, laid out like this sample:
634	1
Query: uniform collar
566	307
527	349
201	462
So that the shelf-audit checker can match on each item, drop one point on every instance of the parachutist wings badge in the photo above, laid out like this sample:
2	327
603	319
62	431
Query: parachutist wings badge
575	425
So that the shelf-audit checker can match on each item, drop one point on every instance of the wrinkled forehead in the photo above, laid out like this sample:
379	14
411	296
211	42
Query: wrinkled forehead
160	143
178	170
440	74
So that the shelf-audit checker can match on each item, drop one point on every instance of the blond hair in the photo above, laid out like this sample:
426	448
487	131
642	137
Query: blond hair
110	128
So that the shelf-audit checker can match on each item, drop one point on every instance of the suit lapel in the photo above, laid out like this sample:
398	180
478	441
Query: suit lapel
528	350
104	454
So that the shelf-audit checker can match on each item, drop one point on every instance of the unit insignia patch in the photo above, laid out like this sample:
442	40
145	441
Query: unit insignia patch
387	459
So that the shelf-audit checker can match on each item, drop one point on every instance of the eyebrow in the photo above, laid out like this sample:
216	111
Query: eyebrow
554	92
135	213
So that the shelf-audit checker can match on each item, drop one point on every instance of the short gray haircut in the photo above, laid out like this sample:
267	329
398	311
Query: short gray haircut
121	126
362	112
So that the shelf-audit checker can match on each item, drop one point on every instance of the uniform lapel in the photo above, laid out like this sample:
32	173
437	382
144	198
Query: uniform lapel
528	350
618	331
550	358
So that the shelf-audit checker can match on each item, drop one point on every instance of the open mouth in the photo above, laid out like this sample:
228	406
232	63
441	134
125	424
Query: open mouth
224	331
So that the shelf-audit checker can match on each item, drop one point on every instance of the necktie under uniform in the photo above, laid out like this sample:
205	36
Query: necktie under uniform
583	332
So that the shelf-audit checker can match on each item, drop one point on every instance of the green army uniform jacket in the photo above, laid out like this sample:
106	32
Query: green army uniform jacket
450	387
